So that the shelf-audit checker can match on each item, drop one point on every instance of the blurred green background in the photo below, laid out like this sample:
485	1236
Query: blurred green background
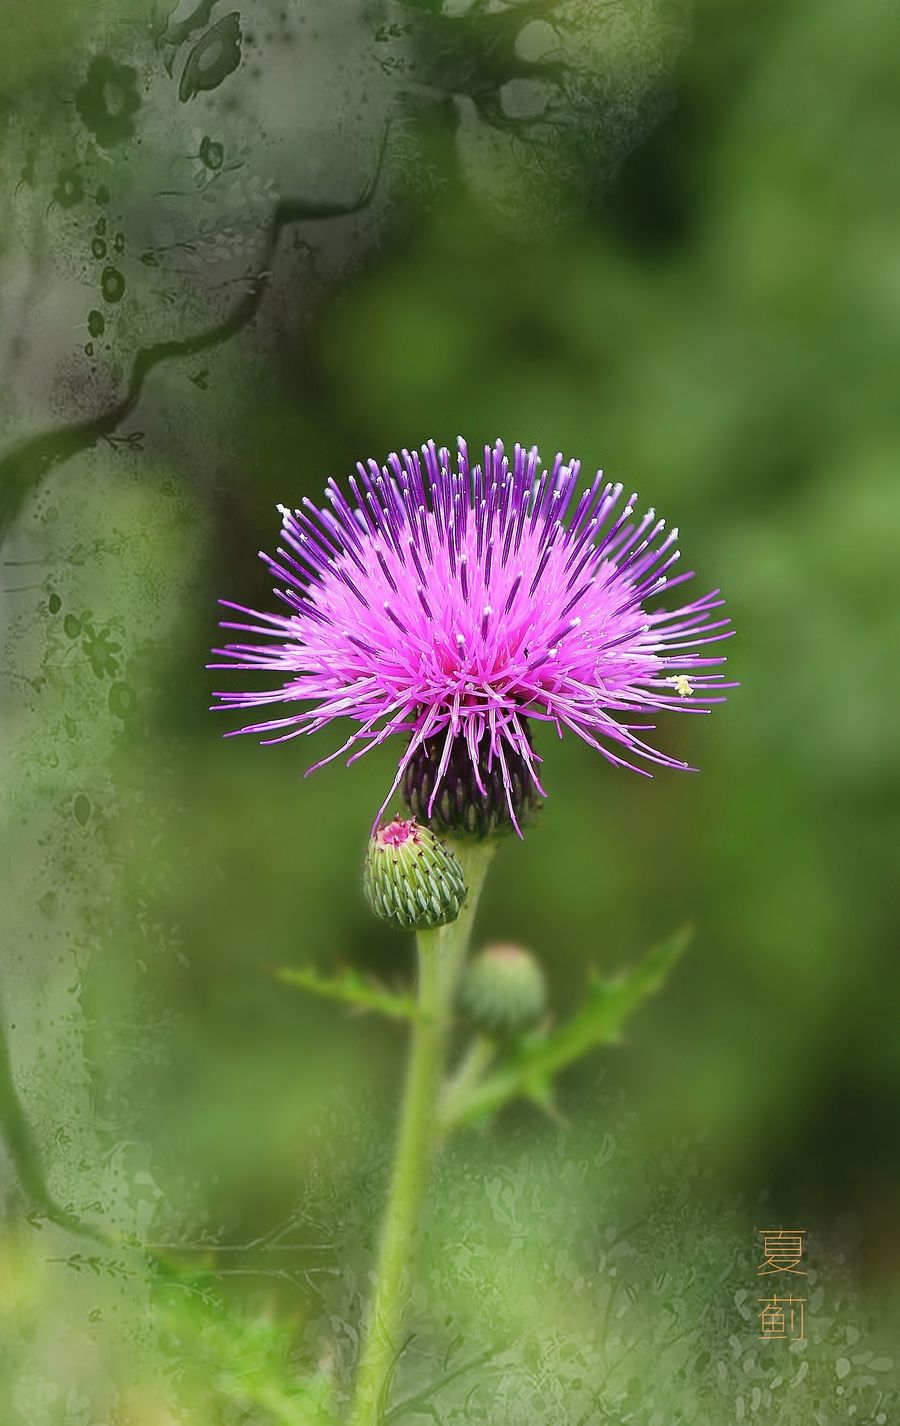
238	252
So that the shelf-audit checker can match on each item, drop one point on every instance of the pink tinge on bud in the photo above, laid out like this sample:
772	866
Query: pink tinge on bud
500	951
398	832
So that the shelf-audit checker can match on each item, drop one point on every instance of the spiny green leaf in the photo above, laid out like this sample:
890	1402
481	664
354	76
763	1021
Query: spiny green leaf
350	988
531	1067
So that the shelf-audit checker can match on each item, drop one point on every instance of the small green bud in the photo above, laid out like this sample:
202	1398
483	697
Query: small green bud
503	990
411	878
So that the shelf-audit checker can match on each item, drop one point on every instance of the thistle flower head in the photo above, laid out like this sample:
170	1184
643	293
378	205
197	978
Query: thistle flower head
503	990
457	604
411	878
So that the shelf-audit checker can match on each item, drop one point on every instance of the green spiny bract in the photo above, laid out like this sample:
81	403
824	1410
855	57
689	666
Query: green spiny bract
411	879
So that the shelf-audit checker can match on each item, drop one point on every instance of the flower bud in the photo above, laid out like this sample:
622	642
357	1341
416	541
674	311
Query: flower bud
503	991
411	878
461	807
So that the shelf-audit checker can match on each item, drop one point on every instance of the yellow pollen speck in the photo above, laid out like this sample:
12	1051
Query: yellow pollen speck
682	684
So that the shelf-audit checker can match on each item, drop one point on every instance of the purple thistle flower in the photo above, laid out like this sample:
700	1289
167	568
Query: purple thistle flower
455	606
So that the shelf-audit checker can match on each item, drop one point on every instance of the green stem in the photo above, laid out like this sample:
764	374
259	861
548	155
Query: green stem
442	954
479	1057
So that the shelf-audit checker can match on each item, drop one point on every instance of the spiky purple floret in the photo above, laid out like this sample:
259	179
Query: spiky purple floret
463	602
